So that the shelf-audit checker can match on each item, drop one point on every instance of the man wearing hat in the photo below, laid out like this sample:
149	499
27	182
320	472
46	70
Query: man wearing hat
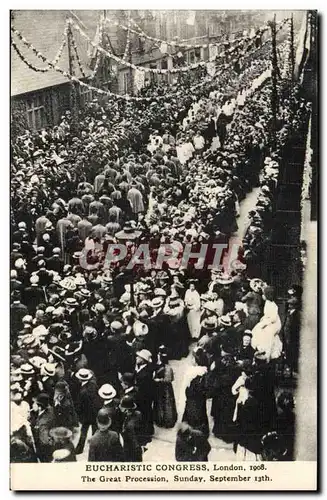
44	422
132	430
105	445
62	441
110	403
33	294
54	263
17	312
145	386
88	405
291	332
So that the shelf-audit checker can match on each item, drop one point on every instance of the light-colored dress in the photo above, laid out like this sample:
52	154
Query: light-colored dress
265	335
193	303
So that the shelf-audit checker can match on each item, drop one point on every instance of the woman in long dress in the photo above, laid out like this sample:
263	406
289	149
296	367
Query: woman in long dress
193	303
265	335
165	413
195	384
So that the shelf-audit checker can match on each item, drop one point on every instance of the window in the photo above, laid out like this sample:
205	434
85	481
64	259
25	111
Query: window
197	54
35	112
125	83
164	64
191	57
86	95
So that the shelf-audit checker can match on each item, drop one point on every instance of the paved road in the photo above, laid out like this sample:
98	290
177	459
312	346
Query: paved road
162	446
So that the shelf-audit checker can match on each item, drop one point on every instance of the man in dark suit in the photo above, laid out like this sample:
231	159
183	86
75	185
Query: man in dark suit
88	405
131	431
145	385
105	445
33	295
44	422
54	263
110	403
17	312
291	333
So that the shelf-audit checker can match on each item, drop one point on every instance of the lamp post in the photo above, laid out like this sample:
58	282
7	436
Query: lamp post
129	234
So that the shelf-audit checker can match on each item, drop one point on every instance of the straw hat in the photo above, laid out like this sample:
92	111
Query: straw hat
145	355
140	329
107	391
225	320
84	374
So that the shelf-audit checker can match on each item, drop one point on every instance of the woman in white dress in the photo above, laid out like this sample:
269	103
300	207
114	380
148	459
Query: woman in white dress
265	335
193	303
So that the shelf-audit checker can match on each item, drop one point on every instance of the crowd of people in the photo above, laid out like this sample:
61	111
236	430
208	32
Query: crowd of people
90	343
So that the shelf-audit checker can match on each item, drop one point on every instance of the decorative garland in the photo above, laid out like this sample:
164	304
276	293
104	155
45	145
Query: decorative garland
179	44
54	62
96	89
128	41
77	55
98	53
152	70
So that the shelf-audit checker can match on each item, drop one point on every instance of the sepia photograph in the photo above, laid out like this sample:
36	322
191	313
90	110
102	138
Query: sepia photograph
163	247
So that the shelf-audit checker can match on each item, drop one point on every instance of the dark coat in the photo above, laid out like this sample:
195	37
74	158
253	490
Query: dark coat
33	296
17	312
195	413
105	447
131	431
194	450
291	337
145	396
41	431
116	416
88	403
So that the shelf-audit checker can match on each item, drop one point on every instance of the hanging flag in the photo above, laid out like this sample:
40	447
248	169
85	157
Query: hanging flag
139	79
213	52
252	33
191	18
163	48
211	68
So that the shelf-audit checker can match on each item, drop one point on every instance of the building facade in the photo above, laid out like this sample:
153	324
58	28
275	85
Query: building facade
39	98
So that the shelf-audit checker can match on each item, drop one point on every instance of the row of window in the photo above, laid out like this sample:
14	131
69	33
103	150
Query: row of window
36	108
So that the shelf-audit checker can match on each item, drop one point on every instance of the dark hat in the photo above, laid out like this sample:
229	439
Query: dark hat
128	378
43	399
247	333
127	403
103	417
60	433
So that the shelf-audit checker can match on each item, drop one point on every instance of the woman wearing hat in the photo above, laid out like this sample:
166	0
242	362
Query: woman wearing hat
164	408
192	304
254	303
247	445
223	401
265	335
178	340
195	387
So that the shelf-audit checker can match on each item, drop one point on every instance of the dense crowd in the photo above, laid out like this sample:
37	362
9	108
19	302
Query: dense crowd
91	343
